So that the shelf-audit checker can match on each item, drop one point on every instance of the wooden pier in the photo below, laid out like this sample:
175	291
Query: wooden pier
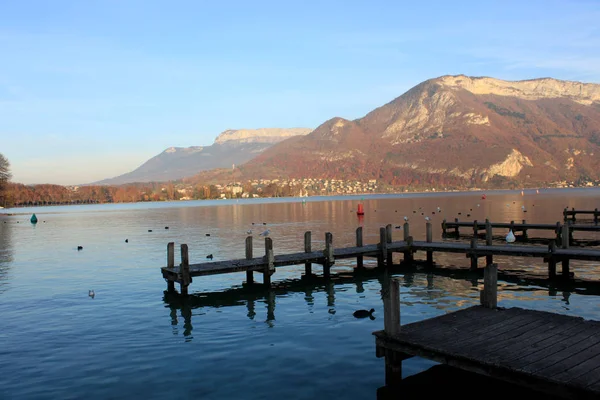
569	215
383	251
523	227
551	353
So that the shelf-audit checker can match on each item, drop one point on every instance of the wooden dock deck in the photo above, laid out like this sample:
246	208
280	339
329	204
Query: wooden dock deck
383	251
552	353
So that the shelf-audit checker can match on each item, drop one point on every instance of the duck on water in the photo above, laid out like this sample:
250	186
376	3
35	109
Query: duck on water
364	313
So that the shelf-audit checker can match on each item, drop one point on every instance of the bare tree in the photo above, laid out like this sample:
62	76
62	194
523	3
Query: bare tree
4	172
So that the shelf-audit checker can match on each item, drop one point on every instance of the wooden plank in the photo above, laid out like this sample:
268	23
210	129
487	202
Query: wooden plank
558	349
583	373
573	360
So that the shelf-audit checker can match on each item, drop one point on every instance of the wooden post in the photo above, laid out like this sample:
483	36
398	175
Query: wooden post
525	237
269	266
359	243
186	279
488	241
249	274
444	227
307	249
456	232
382	247
408	253
328	253
388	240
565	214
475	229
473	254
574	219
551	260
596	215
557	231
489	296
429	239
565	245
170	264
391	308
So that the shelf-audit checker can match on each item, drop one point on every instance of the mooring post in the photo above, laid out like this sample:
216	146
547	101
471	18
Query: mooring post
388	240
565	245
473	254
391	308
359	243
551	260
456	232
328	253
407	253
170	264
596	214
525	230
186	279
488	241
382	247
475	229
429	239
574	218
444	227
565	212
249	274
269	267
489	296
307	249
558	239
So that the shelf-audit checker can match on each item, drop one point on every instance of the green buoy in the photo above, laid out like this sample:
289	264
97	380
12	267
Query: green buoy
33	219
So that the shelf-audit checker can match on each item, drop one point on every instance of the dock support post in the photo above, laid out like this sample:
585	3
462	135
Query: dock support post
456	232
551	260
565	217
170	264
565	245
407	253
388	241
488	241
558	239
269	267
429	239
328	253
186	279
359	243
596	215
391	327
525	237
473	255
444	228
489	296
475	229
307	249
382	247
249	274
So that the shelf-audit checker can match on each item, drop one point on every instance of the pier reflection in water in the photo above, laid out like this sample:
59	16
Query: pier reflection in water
435	289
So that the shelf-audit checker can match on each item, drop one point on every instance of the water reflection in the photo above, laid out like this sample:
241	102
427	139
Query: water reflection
6	252
438	289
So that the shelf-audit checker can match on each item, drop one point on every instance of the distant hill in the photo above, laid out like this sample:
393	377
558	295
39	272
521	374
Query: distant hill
453	130
230	147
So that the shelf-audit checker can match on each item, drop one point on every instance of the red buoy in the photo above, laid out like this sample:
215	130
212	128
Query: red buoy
483	197
360	210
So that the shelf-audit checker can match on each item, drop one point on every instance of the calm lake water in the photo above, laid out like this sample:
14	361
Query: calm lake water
299	342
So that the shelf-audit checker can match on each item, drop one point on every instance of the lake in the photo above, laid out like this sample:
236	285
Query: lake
300	341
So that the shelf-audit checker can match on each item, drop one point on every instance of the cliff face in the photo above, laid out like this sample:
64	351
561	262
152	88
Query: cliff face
264	135
455	129
230	147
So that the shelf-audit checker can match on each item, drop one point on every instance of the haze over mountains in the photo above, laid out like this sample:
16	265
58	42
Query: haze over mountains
453	130
230	147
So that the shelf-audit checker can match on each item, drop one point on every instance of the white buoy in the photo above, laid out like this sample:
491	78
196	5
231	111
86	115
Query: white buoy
510	237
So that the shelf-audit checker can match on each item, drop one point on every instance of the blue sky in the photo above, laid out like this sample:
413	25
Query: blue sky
92	89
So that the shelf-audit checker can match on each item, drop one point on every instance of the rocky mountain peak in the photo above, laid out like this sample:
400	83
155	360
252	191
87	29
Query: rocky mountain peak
261	135
533	89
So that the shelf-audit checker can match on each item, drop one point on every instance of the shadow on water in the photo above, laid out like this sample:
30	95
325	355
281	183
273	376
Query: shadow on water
6	254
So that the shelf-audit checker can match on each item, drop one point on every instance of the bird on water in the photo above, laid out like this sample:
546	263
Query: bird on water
210	256
363	313
91	294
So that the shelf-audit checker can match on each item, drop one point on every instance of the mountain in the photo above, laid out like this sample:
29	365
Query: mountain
230	147
454	130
